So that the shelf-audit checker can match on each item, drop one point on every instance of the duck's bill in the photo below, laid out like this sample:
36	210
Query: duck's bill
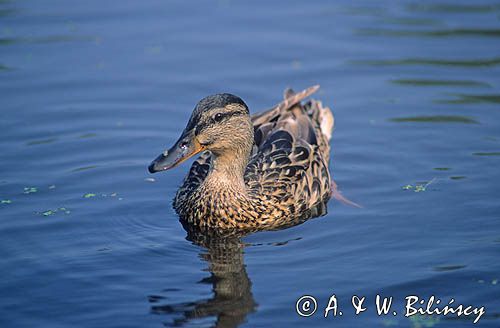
186	147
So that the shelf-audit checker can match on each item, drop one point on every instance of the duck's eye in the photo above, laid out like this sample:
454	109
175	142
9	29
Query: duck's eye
218	117
183	145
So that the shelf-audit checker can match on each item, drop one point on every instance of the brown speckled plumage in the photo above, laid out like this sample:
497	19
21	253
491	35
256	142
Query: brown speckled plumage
265	171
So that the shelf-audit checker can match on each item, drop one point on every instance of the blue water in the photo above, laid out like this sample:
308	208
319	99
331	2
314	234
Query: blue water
92	91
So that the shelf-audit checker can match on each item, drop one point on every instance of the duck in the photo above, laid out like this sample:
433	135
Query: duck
253	172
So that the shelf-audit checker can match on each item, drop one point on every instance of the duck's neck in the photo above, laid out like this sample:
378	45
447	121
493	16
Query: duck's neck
228	169
225	182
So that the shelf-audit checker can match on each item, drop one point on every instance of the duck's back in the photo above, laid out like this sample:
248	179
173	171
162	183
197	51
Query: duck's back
291	153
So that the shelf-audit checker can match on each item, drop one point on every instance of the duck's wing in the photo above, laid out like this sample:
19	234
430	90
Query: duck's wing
264	122
290	98
311	122
291	152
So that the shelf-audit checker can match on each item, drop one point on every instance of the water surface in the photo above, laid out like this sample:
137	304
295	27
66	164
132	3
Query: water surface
92	91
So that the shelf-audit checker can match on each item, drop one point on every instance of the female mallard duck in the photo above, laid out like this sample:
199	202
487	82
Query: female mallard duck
257	172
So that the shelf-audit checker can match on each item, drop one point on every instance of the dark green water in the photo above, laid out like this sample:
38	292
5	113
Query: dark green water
92	91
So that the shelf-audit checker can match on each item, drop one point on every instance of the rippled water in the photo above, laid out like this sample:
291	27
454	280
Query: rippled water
91	91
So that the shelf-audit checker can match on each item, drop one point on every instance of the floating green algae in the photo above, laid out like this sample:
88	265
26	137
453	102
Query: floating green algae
55	211
418	187
30	190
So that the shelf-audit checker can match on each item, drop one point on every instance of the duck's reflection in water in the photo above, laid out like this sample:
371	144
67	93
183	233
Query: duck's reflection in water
232	297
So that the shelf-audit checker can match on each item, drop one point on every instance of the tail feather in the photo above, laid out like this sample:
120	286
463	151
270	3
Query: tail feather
323	116
293	98
341	198
327	121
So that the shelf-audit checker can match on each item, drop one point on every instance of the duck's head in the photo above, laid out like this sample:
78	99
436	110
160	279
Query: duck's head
219	123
